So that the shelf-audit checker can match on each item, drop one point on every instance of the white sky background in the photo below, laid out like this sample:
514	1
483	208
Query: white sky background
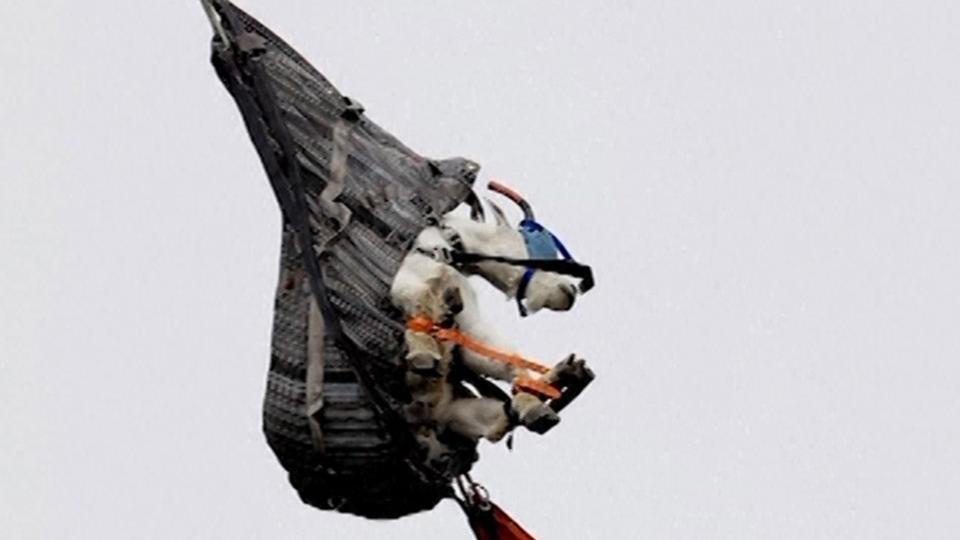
767	191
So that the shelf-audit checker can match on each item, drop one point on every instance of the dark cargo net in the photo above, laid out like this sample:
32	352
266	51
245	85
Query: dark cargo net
353	200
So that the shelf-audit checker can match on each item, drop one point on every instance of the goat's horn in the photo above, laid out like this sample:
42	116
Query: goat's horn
513	196
498	214
476	207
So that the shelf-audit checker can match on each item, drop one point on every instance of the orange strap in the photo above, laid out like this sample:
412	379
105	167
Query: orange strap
427	326
536	386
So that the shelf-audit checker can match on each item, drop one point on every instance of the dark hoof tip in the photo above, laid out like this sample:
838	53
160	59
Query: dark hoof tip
543	421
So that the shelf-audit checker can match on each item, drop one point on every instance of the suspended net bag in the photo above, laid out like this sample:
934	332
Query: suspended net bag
353	199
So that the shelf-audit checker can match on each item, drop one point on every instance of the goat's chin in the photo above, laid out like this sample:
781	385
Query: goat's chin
557	301
549	291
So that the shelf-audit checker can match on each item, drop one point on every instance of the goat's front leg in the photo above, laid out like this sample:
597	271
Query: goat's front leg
525	409
570	370
484	365
470	322
477	417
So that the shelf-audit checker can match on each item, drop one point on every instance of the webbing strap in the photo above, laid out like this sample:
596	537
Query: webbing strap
560	266
536	386
522	290
453	335
427	326
541	244
487	520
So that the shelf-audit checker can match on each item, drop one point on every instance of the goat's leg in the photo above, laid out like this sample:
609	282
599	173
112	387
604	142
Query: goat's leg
423	353
476	417
471	324
569	370
533	413
488	418
488	367
572	376
526	408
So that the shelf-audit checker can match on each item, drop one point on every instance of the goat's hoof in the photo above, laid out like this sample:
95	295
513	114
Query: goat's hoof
570	369
540	419
425	364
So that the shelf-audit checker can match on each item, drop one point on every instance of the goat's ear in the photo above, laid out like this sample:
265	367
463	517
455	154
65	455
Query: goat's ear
498	214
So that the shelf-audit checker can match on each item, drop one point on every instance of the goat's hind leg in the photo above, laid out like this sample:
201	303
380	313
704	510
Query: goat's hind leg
424	353
533	413
571	376
477	417
568	371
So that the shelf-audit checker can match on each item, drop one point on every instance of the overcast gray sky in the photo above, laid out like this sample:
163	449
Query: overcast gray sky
766	190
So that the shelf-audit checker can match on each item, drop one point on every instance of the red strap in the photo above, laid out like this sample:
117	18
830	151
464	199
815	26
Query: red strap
494	524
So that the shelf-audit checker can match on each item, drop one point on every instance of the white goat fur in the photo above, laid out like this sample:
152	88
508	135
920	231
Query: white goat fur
421	287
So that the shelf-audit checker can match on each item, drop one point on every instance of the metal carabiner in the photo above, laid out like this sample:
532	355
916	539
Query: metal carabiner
479	496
